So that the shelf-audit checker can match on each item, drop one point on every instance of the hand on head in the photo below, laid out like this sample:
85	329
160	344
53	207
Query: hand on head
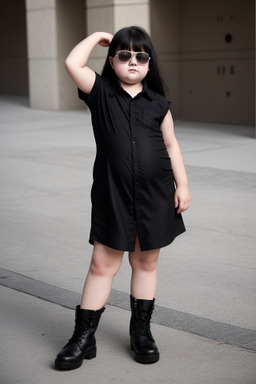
106	39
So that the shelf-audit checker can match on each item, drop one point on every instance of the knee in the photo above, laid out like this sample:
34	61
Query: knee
146	265
99	267
103	266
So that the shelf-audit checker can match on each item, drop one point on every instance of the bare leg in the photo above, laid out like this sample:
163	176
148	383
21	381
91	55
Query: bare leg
144	272
105	263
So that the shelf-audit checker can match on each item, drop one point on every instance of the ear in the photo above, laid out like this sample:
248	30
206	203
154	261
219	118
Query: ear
111	60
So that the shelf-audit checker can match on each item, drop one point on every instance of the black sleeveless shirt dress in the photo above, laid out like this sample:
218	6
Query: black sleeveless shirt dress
133	186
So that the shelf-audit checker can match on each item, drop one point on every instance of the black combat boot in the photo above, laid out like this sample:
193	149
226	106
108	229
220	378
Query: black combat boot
82	344
142	342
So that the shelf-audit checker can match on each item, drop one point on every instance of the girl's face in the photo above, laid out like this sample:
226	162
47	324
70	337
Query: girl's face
132	71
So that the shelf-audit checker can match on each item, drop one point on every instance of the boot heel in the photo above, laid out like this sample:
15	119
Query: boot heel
91	354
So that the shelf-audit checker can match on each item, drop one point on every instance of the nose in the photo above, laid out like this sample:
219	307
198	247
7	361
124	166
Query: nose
133	60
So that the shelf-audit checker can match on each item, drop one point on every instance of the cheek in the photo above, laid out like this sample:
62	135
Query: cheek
145	70
120	69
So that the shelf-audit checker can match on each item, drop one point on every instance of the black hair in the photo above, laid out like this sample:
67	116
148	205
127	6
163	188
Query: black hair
136	38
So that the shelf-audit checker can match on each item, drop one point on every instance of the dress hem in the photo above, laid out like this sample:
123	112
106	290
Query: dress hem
130	249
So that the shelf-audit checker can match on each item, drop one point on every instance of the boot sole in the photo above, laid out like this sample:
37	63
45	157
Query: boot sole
65	366
145	359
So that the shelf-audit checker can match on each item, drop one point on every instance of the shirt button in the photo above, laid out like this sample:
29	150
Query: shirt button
135	163
134	142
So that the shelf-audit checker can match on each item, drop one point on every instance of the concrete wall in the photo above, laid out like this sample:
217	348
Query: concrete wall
206	49
54	27
217	61
71	28
209	77
13	48
165	20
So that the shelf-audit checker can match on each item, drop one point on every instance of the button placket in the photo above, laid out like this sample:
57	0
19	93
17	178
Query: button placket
135	160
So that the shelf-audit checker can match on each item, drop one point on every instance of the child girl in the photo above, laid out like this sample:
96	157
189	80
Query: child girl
140	185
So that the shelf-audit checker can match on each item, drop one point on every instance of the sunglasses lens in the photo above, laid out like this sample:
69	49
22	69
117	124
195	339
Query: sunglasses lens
124	56
142	57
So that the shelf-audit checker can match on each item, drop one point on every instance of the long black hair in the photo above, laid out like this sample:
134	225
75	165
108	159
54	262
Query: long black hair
135	38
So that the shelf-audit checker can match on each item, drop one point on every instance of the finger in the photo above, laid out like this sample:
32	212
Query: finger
104	43
181	206
184	207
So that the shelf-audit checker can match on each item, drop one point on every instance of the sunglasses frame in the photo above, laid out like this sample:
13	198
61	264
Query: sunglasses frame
132	54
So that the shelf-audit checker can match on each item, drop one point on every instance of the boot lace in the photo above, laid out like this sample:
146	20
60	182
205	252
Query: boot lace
80	331
143	324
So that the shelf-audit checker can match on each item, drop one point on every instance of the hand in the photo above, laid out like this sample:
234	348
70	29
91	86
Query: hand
105	39
182	198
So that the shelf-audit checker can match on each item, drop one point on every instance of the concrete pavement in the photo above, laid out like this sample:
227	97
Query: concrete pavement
206	277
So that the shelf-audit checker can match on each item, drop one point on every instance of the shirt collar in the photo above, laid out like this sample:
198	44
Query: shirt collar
116	88
148	91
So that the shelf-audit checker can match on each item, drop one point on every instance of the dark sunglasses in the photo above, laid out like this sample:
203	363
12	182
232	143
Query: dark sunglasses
125	56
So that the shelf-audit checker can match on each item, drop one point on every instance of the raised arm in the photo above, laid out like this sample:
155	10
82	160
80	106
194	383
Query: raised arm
76	61
182	194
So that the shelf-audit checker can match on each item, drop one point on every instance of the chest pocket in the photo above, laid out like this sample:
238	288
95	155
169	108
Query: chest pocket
147	118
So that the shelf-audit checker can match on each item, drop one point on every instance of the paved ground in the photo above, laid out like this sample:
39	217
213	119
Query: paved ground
205	319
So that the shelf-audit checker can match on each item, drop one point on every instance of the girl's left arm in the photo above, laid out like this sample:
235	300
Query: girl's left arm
182	194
